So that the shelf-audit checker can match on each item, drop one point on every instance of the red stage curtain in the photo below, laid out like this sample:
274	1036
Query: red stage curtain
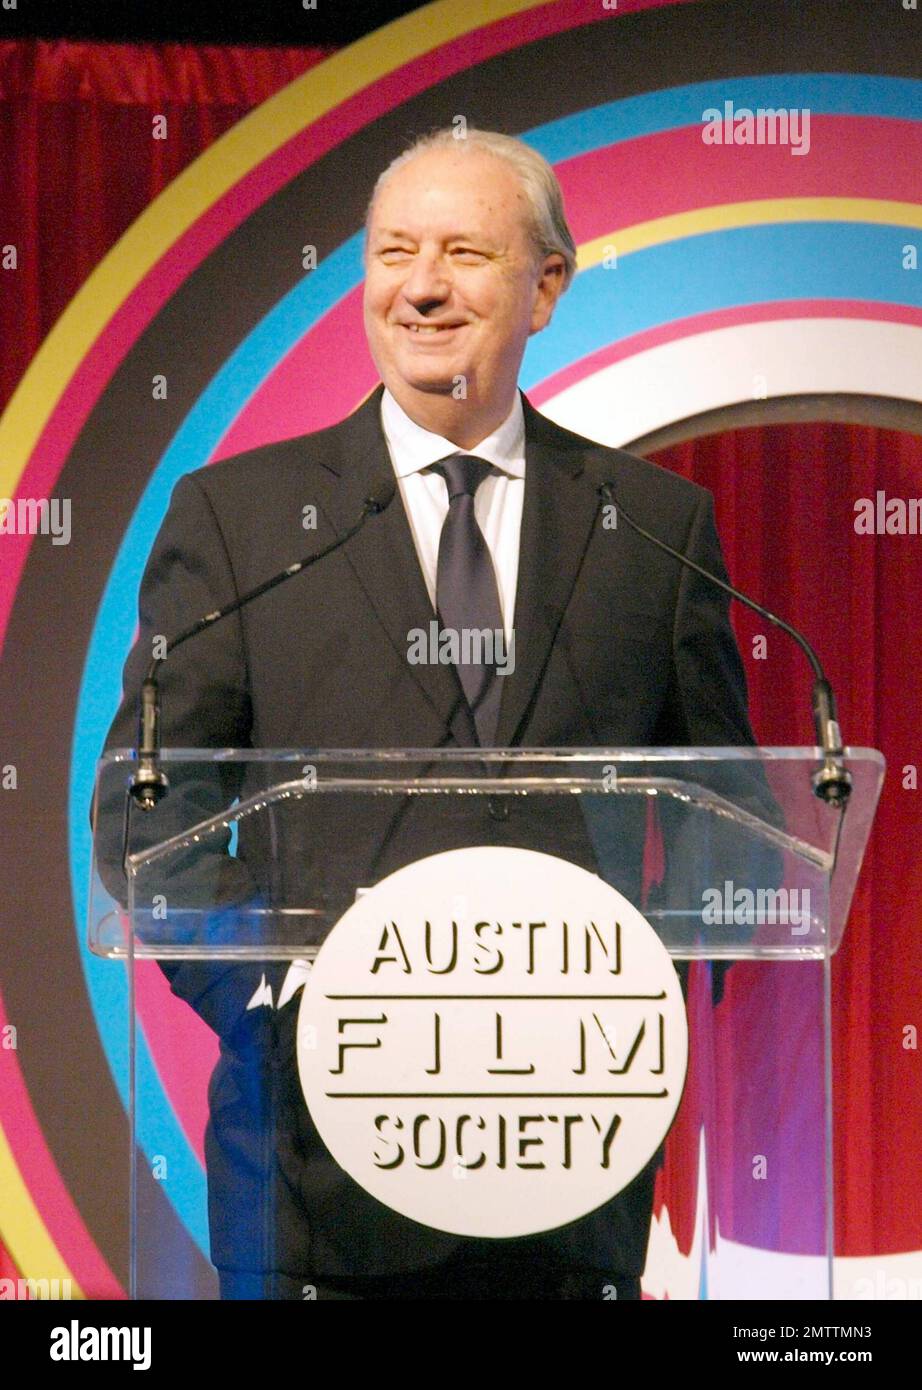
785	499
79	116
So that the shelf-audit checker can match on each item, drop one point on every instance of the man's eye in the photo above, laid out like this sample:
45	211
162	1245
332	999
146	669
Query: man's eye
469	252
394	251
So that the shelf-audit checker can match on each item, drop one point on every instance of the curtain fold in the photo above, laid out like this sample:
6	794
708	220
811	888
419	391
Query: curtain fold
785	498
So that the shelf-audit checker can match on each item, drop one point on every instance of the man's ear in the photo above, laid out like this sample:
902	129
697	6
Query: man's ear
550	286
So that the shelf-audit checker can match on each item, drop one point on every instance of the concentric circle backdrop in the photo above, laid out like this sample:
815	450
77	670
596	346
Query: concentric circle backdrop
706	267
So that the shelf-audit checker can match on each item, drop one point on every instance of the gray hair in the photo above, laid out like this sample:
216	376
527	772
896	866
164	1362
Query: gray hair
547	223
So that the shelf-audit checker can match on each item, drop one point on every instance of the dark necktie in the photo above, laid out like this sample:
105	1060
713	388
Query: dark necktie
467	598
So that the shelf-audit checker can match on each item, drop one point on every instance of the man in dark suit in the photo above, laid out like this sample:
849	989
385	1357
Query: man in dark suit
614	644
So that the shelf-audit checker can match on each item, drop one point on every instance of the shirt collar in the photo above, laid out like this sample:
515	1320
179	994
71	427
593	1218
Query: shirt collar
413	448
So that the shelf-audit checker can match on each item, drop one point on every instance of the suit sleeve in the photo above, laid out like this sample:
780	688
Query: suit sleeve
205	704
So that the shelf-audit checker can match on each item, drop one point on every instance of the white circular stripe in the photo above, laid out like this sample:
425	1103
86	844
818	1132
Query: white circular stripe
743	362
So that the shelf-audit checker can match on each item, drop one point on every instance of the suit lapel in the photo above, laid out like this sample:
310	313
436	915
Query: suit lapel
557	521
558	516
384	559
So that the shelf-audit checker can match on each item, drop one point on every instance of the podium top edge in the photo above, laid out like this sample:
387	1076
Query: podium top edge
689	754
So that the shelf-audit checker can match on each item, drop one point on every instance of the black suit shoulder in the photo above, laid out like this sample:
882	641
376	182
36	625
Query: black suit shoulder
650	492
266	507
257	468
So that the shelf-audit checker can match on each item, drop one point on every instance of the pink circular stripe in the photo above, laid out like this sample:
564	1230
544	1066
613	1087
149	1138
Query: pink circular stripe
674	172
294	399
184	1048
47	1189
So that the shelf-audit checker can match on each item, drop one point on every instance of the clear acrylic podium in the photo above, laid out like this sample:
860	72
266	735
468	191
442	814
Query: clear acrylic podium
227	889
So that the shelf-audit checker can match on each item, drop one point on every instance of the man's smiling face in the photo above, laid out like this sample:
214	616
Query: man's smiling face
452	290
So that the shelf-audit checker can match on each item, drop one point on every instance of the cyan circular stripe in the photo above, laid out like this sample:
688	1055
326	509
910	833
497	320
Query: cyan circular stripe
823	94
768	263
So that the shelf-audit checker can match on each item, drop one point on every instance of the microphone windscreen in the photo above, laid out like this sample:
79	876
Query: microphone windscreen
380	494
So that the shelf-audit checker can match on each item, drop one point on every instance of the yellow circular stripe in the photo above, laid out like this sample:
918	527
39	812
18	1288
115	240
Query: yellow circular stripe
24	1232
207	179
756	212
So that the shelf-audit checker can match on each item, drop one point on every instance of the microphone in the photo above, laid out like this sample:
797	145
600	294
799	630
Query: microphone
150	784
832	782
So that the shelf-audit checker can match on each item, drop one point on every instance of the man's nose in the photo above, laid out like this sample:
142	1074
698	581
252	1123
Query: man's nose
428	280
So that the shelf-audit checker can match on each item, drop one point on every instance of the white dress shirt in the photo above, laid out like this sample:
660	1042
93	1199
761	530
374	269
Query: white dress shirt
497	503
498	509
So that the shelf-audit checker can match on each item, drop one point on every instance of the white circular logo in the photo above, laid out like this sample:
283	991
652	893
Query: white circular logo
492	1042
